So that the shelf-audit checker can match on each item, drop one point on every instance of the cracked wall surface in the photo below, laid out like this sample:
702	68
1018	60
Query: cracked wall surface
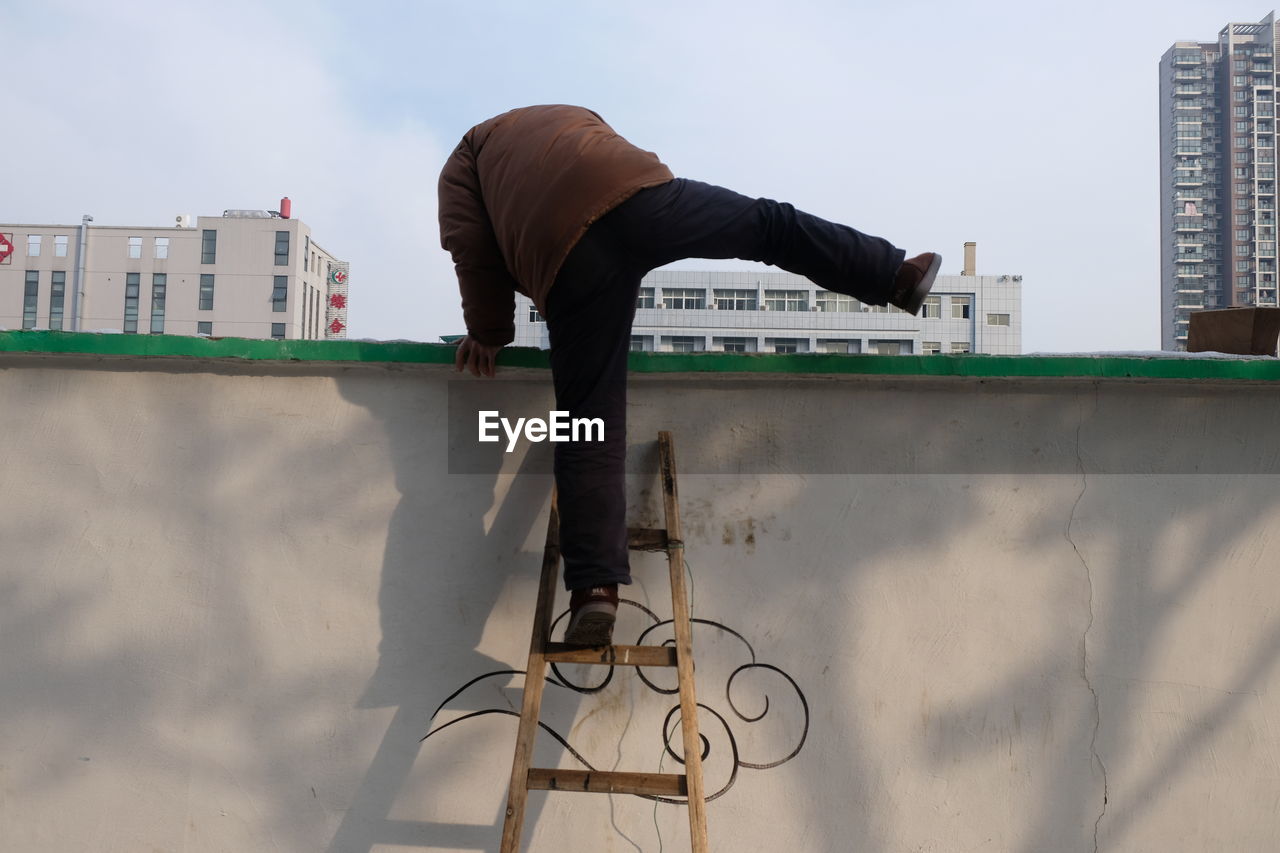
1025	614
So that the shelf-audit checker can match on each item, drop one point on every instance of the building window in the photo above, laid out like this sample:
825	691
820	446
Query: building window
135	247
158	282
960	307
57	296
645	299
162	248
280	293
642	343
828	301
204	327
686	343
684	298
891	347
932	308
132	283
534	316
786	300
837	346
209	247
306	252
30	299
282	248
732	344
60	246
277	331
33	245
784	345
959	346
735	300
997	319
206	291
930	347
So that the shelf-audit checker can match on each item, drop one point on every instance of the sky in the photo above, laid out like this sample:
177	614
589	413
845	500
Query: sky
1029	128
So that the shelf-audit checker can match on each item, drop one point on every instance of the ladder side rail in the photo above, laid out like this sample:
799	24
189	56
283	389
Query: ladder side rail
534	681
684	648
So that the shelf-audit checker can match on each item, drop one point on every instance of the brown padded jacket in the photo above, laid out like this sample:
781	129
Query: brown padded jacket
518	193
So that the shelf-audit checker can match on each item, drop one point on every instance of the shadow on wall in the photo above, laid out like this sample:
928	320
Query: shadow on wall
454	543
1061	594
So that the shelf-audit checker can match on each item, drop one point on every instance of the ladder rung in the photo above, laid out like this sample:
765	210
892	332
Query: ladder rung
612	655
608	782
646	538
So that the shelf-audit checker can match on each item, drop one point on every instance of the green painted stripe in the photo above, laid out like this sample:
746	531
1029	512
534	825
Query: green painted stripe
403	352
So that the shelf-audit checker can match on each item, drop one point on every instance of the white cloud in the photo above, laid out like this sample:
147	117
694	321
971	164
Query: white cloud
172	109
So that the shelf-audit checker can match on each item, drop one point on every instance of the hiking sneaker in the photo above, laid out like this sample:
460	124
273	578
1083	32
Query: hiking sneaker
592	611
914	280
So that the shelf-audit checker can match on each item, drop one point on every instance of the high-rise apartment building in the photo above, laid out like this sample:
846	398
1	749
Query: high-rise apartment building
247	273
1217	175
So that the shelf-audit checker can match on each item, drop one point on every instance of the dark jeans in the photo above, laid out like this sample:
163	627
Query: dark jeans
593	301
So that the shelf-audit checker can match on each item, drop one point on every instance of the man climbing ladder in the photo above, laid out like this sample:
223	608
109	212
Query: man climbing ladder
551	202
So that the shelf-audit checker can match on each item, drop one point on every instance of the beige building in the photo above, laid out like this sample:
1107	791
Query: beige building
247	273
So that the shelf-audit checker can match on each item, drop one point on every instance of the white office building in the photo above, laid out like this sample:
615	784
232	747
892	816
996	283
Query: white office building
247	273
765	311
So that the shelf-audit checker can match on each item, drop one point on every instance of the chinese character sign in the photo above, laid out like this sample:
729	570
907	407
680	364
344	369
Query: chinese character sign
335	319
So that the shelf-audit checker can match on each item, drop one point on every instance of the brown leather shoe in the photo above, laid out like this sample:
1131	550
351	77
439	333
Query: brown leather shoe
914	280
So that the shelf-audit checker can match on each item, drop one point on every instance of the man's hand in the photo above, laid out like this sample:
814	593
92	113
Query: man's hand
477	357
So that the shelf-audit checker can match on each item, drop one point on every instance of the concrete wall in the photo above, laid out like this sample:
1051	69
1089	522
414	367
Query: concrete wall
1025	614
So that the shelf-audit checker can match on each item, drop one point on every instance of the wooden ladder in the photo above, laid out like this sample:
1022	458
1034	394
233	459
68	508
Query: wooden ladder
542	652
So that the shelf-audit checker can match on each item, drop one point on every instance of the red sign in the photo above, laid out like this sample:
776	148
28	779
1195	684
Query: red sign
339	276
338	300
6	247
336	326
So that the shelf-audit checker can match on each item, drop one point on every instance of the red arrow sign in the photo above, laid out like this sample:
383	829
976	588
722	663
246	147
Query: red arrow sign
6	247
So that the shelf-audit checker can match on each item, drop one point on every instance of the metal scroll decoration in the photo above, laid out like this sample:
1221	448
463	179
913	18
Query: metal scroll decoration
670	724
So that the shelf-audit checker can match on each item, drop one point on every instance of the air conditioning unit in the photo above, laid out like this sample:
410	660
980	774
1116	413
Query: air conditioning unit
1017	278
660	304
183	220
